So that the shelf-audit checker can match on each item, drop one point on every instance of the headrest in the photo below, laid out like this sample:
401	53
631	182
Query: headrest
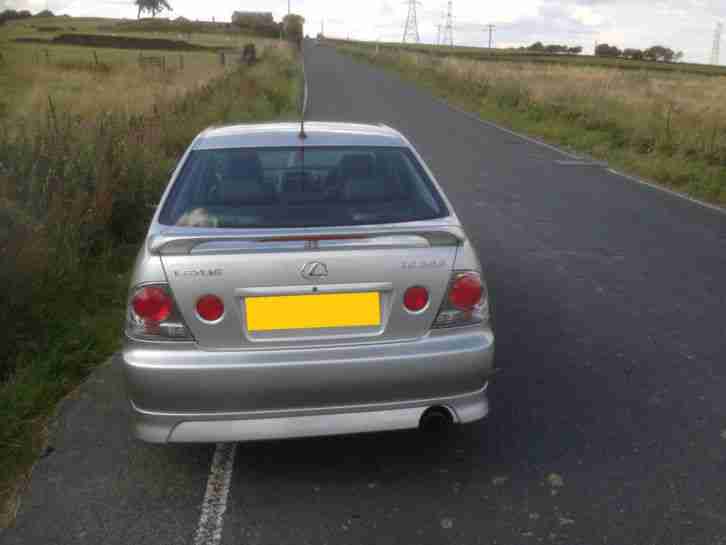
364	189
243	192
357	166
243	164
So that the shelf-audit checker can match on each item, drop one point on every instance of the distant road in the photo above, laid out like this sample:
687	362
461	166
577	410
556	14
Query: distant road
609	301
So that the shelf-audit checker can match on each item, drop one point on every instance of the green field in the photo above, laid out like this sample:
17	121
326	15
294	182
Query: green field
516	55
86	146
90	77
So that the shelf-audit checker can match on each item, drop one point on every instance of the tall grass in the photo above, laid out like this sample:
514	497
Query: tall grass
90	81
668	126
75	197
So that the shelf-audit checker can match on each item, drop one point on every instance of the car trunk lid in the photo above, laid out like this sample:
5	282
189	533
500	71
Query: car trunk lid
308	287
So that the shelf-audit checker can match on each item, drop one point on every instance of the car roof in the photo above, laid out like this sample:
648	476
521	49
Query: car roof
288	135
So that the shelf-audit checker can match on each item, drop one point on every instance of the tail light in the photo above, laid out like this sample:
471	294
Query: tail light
415	299
152	315
210	308
466	301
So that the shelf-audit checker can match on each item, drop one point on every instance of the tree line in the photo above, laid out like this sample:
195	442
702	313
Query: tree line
11	15
553	49
658	53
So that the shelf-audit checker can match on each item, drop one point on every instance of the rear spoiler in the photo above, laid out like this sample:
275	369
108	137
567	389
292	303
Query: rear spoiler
178	244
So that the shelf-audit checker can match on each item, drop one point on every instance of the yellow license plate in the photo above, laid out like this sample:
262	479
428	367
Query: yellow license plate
325	310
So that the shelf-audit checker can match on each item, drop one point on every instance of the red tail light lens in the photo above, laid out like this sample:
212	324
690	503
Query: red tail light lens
416	298
466	291
152	315
152	304
210	308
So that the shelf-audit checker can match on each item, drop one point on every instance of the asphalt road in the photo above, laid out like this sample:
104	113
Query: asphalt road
609	417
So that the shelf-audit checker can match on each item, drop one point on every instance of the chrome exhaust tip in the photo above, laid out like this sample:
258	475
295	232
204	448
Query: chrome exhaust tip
436	419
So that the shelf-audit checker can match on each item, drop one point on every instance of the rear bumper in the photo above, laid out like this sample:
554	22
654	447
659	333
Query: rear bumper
180	393
220	427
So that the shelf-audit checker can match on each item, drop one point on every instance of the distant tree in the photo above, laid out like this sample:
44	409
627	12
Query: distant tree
252	19
634	54
11	15
553	49
659	53
152	6
605	50
678	57
262	24
45	13
292	27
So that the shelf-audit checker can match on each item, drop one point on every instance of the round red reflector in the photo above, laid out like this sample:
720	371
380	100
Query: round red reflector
466	291
416	298
210	308
152	304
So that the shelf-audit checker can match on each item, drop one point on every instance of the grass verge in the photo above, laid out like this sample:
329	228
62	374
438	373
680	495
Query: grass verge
75	196
664	128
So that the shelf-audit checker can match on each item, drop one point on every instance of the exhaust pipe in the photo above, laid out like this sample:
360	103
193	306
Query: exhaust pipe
436	420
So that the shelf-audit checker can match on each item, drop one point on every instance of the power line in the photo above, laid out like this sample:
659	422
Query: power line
411	27
448	36
716	51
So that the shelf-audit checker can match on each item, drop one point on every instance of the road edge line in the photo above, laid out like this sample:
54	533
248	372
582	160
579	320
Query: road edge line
211	519
653	185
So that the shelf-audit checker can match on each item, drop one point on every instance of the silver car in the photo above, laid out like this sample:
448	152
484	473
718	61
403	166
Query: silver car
298	284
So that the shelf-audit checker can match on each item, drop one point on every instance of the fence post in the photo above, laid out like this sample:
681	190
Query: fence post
221	58
95	57
52	115
181	62
163	64
47	56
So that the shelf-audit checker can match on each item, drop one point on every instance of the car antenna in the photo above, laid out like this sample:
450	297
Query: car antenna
302	134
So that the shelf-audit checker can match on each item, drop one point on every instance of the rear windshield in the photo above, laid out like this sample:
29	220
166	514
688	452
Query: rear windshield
295	187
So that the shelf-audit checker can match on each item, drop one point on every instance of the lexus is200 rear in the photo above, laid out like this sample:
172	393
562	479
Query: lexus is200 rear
293	287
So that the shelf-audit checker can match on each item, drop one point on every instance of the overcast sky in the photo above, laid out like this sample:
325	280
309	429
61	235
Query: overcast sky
686	25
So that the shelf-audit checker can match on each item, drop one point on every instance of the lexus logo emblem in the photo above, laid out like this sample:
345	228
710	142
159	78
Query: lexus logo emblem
314	269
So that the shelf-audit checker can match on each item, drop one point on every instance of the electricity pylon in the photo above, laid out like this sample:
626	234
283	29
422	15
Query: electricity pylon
448	36
410	30
716	51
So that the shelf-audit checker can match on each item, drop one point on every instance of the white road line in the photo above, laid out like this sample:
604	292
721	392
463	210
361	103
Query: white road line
693	200
211	521
305	91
